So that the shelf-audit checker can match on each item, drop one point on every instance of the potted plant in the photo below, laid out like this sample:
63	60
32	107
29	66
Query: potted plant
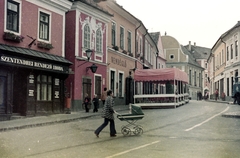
141	58
115	47
124	52
45	45
12	37
130	54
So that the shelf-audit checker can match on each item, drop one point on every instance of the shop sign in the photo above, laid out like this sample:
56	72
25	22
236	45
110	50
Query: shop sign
119	61
31	63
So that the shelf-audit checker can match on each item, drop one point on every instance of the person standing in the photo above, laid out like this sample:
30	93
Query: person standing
216	94
86	102
95	103
104	95
108	116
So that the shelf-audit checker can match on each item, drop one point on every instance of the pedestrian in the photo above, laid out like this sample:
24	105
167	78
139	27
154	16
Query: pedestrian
223	96
104	95
108	116
86	102
216	94
95	103
200	95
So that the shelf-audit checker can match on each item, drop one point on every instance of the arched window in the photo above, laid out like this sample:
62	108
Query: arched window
86	37
98	41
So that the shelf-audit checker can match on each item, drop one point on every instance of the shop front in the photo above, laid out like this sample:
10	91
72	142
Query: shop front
31	82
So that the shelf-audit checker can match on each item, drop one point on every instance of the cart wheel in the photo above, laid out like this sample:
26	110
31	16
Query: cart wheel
126	131
137	130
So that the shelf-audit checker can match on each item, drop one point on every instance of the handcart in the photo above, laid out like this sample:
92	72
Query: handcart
132	117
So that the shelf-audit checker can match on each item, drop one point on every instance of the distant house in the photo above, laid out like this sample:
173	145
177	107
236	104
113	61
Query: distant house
180	57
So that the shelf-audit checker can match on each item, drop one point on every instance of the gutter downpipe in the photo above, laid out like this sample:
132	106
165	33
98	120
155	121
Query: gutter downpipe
136	42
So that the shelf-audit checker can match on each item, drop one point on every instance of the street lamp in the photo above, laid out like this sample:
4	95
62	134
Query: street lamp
93	68
89	53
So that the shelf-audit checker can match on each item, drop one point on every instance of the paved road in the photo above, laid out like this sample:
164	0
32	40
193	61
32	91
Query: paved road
193	130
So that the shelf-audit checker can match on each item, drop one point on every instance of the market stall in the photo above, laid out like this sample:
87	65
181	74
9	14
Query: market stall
160	88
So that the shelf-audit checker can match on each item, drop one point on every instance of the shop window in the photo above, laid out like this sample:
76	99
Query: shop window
98	41
44	88
86	36
44	26
12	16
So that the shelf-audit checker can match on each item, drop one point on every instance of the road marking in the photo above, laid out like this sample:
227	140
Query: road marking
189	129
127	151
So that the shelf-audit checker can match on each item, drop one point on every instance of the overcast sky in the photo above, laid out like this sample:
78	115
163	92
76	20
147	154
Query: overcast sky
200	21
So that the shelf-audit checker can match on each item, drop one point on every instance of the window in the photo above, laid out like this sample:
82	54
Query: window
12	16
236	48
190	77
206	65
122	38
120	85
171	56
112	80
231	51
44	26
129	42
99	41
227	53
113	34
195	78
44	88
86	36
140	46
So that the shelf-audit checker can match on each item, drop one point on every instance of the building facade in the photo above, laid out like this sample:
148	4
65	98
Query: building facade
33	67
180	57
86	31
226	62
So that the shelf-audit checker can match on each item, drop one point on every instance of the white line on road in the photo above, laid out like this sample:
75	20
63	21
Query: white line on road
189	129
127	151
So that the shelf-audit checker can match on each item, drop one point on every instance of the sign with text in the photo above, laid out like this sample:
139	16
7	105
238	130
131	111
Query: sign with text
33	64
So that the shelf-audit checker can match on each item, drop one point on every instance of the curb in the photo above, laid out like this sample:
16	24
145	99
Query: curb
51	122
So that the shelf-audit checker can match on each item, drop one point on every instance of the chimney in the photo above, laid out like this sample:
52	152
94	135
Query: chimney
189	46
194	44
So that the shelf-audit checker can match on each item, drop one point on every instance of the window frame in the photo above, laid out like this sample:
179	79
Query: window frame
47	94
113	34
99	40
122	38
86	36
47	31
11	11
129	41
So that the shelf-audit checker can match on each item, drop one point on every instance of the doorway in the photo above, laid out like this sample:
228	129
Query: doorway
3	93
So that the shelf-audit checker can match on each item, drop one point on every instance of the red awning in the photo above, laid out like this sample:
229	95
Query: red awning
160	75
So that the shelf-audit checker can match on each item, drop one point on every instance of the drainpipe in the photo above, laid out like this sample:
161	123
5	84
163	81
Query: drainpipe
136	42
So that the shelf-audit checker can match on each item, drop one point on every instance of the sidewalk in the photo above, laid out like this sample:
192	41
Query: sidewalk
29	122
235	109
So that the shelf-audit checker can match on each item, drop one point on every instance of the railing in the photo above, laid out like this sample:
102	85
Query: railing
175	100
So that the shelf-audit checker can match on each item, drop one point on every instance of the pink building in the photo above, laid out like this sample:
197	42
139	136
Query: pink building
86	30
32	63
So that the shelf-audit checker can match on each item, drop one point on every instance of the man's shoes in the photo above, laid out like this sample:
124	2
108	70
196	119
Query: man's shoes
96	134
114	135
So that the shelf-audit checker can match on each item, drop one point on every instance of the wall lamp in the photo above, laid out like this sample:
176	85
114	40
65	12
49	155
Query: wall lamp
93	68
89	54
